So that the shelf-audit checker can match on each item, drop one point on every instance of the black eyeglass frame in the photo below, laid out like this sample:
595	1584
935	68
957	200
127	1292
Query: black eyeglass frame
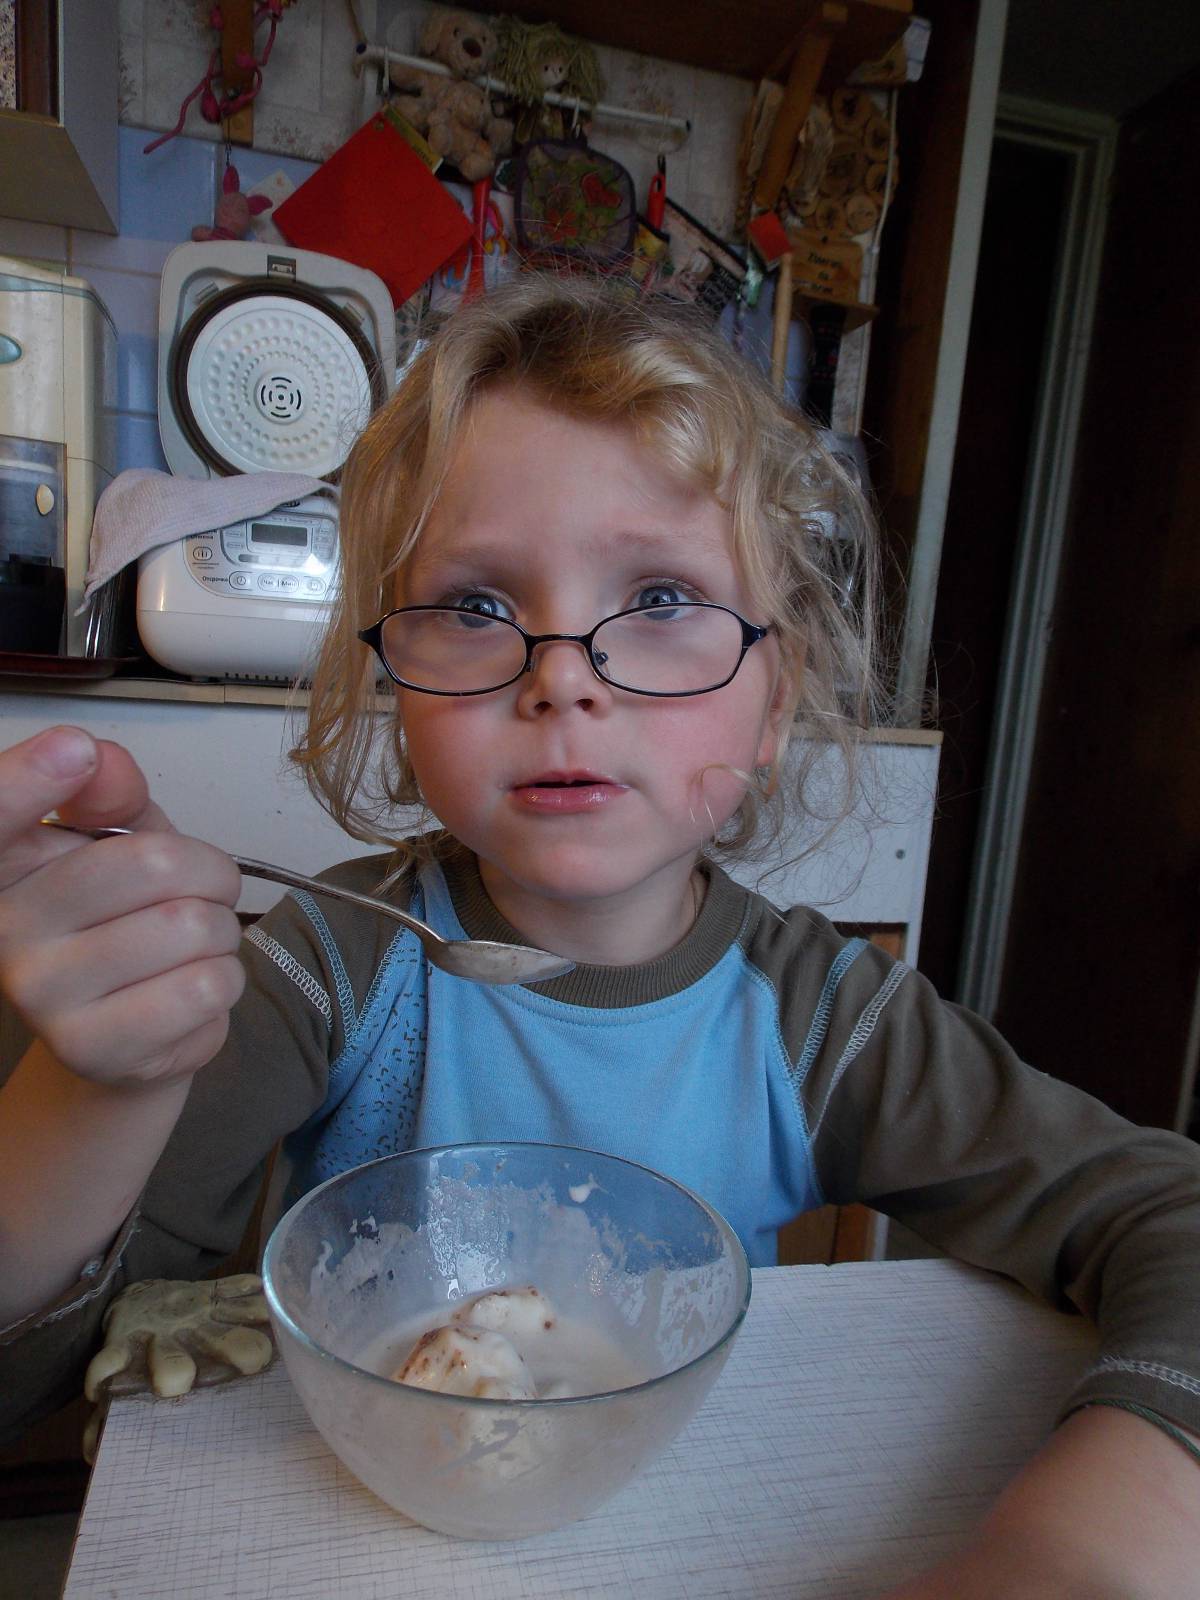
752	633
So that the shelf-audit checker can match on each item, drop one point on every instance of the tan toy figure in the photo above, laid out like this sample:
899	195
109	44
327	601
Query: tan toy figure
454	114
167	1336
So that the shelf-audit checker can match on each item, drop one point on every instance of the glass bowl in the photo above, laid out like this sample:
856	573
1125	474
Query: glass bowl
630	1261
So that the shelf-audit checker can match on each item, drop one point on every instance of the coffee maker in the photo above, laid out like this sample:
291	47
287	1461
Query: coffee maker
58	452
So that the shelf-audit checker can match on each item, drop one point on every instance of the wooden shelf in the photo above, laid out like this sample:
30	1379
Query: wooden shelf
858	313
748	39
173	691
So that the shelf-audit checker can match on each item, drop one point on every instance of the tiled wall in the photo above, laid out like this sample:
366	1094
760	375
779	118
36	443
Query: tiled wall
311	98
312	102
162	195
309	101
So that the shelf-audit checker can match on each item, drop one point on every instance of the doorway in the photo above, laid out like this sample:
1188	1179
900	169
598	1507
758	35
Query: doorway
1101	963
1022	395
1064	892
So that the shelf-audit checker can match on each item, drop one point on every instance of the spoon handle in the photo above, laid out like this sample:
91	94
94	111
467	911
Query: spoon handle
290	880
480	960
297	880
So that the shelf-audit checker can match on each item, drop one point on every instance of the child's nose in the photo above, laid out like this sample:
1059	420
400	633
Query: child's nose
561	676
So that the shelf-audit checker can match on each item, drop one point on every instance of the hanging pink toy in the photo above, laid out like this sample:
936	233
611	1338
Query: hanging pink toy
215	106
234	210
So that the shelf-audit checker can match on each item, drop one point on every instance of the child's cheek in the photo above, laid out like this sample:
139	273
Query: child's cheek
716	792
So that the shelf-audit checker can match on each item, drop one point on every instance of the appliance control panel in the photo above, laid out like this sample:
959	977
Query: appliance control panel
288	554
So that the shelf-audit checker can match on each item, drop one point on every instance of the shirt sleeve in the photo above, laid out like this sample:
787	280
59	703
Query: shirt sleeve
268	1077
920	1109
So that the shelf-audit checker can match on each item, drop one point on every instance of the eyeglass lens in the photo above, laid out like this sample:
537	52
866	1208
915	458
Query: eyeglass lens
679	649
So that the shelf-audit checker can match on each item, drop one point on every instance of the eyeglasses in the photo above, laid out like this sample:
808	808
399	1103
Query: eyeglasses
687	648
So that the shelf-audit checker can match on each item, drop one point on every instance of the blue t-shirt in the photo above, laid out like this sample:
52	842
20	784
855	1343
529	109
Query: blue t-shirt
430	1059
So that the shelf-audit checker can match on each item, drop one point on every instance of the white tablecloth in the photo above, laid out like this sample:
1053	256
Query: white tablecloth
867	1416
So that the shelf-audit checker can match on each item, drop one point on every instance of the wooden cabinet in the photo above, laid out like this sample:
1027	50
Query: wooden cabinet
58	162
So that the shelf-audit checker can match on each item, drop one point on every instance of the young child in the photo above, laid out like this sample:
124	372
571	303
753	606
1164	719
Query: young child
602	553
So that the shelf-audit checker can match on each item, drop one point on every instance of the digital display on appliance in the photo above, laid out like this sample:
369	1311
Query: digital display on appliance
277	533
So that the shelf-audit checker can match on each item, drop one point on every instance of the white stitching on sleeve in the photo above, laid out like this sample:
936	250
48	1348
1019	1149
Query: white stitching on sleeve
1145	1369
860	1034
291	968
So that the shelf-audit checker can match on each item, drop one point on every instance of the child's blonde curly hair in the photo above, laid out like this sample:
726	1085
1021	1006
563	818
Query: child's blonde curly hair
802	532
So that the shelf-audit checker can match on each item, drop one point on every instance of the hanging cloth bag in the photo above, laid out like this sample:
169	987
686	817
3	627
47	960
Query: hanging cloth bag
574	205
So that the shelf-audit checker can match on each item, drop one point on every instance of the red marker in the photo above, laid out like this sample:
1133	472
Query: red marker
656	198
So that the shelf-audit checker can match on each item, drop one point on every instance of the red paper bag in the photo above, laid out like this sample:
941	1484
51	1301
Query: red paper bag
375	202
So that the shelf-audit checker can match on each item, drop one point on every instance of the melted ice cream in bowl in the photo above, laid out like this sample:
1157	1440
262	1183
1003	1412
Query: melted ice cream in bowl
496	1338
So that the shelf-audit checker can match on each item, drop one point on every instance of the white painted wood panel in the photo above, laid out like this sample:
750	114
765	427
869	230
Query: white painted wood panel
221	772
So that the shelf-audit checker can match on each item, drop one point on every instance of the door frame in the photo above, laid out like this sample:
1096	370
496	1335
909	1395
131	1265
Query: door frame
935	442
1088	141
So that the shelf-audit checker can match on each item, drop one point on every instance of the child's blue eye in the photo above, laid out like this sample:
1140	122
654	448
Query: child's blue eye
480	604
660	594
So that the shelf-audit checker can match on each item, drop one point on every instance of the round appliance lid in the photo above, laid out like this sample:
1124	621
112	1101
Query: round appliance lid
273	379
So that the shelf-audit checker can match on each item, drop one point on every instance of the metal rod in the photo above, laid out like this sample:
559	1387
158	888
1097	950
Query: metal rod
380	53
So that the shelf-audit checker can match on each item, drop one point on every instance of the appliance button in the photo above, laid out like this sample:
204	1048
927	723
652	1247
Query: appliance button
10	350
288	585
268	580
314	586
44	495
239	580
202	552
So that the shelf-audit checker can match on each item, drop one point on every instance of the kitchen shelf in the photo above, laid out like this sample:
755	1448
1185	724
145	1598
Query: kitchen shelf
857	312
176	691
744	38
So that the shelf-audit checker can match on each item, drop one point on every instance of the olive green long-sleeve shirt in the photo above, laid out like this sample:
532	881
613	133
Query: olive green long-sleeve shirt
854	1082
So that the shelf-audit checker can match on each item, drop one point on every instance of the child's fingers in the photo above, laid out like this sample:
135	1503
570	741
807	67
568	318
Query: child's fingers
165	1027
37	776
91	782
117	952
44	977
115	796
109	878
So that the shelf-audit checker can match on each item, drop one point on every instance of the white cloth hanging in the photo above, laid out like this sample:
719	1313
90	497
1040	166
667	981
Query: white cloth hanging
142	509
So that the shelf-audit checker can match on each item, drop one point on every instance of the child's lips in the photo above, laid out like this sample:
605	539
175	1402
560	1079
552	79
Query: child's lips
562	793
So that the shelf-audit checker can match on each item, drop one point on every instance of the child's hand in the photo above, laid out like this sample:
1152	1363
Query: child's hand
118	953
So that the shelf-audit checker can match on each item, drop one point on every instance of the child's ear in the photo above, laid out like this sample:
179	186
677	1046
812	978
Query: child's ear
780	710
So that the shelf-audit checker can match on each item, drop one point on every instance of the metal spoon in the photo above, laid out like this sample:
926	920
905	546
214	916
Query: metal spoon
483	960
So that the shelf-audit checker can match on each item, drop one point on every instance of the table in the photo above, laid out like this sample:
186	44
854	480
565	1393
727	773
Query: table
868	1414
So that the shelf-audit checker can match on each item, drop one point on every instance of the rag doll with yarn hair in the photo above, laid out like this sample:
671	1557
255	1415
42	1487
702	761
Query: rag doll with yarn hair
536	59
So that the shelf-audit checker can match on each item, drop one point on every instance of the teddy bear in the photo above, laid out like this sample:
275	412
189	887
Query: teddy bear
454	114
234	210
